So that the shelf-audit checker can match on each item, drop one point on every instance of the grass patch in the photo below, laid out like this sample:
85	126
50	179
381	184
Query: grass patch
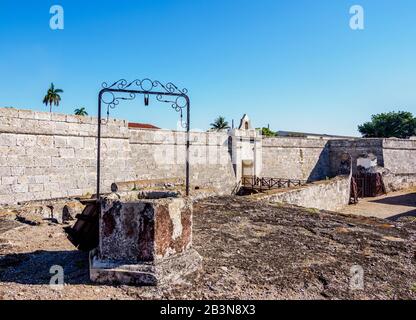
312	210
276	204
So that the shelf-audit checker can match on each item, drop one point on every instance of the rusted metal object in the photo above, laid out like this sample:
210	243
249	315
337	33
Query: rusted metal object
354	191
85	233
148	183
369	184
263	183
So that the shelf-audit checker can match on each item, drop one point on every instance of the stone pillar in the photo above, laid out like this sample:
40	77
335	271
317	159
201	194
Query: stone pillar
144	242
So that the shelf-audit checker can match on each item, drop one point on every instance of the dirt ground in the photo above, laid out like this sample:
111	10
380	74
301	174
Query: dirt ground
391	206
250	251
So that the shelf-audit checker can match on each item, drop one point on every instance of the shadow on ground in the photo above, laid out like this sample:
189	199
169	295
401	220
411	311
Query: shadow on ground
407	200
34	268
411	213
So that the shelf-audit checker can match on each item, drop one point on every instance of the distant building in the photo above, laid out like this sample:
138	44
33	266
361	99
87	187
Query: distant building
135	125
311	135
245	123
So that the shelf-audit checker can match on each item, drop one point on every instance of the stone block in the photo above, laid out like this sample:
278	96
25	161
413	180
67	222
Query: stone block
5	171
39	179
90	143
66	152
76	142
7	198
26	114
35	187
42	115
144	242
20	188
45	141
9	112
8	139
8	180
72	119
15	171
42	161
61	128
58	117
26	140
60	141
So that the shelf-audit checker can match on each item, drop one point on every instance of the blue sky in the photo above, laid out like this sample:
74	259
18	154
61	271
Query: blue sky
295	65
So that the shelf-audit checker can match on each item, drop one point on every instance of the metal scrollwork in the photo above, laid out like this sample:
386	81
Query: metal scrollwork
113	93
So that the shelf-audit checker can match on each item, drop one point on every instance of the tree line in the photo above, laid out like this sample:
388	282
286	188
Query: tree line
53	98
401	124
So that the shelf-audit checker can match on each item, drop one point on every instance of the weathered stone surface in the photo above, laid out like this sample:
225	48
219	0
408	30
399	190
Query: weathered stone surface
48	155
295	158
356	148
144	242
145	230
62	149
37	212
166	271
34	215
333	194
395	182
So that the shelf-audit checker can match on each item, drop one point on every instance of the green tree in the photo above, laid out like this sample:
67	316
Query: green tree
52	97
220	124
81	112
388	125
266	132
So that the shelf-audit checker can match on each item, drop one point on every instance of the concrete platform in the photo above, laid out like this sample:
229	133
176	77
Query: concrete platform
167	270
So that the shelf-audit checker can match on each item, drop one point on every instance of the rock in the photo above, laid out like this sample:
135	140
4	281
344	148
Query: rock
34	215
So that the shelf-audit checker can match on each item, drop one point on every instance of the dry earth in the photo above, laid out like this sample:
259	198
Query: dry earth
250	251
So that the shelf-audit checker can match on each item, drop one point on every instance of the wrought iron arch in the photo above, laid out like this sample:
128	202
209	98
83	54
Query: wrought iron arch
124	90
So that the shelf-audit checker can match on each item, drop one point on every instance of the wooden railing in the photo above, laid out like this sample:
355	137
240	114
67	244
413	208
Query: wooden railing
265	183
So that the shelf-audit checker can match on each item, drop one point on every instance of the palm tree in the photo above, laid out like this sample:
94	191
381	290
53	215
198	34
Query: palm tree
52	97
81	112
220	124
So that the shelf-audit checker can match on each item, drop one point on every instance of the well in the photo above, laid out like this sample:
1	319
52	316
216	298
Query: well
144	242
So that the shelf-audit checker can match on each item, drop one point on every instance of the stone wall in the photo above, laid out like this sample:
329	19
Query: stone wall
49	155
396	155
356	148
162	154
331	194
396	182
316	159
399	156
295	158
